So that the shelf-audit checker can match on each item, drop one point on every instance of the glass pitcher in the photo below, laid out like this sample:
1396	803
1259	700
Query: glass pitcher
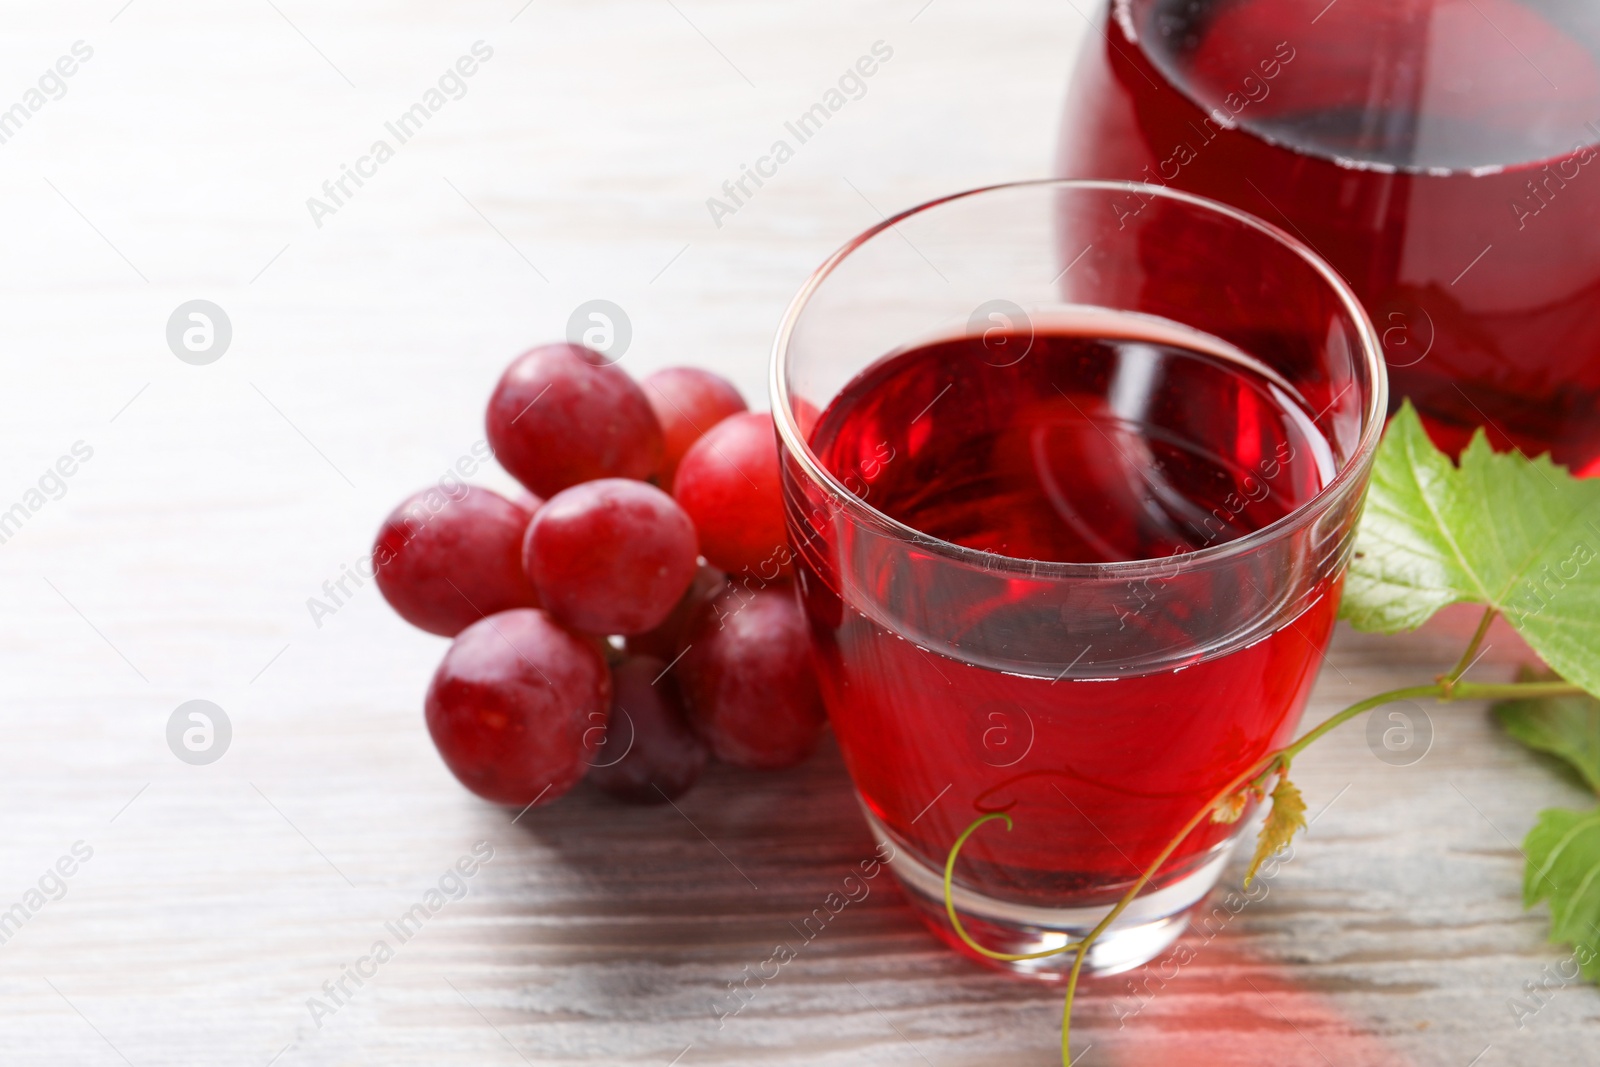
1441	154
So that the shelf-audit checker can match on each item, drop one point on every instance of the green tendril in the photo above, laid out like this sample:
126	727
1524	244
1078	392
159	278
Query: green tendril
950	905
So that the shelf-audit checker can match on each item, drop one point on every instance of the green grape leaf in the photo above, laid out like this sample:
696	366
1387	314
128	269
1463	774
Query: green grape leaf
1563	851
1287	816
1567	727
1519	535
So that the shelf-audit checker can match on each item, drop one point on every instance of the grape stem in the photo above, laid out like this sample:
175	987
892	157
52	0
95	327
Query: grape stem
1449	688
1449	679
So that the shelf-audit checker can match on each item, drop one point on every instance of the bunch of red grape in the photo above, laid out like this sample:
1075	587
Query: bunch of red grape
597	630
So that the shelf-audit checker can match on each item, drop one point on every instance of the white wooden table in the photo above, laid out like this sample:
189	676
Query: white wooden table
178	561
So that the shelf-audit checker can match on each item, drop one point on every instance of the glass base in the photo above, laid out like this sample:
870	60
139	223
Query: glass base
1149	925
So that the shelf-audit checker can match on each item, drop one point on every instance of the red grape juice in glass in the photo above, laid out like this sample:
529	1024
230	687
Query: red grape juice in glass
1040	460
1440	154
1070	532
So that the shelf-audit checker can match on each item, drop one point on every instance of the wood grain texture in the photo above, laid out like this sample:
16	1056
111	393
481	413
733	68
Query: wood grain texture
178	562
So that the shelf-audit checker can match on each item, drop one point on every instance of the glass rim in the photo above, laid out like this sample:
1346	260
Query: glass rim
1374	412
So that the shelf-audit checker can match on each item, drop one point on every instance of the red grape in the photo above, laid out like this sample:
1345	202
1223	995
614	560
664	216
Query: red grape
688	401
561	415
518	707
660	756
666	640
728	483
747	679
445	560
610	556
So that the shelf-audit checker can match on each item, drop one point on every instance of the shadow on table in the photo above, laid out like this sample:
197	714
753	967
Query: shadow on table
735	926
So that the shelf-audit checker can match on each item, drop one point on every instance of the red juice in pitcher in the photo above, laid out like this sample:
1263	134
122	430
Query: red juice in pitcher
1438	153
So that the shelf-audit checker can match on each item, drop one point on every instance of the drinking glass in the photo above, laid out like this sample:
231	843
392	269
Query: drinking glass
1099	704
